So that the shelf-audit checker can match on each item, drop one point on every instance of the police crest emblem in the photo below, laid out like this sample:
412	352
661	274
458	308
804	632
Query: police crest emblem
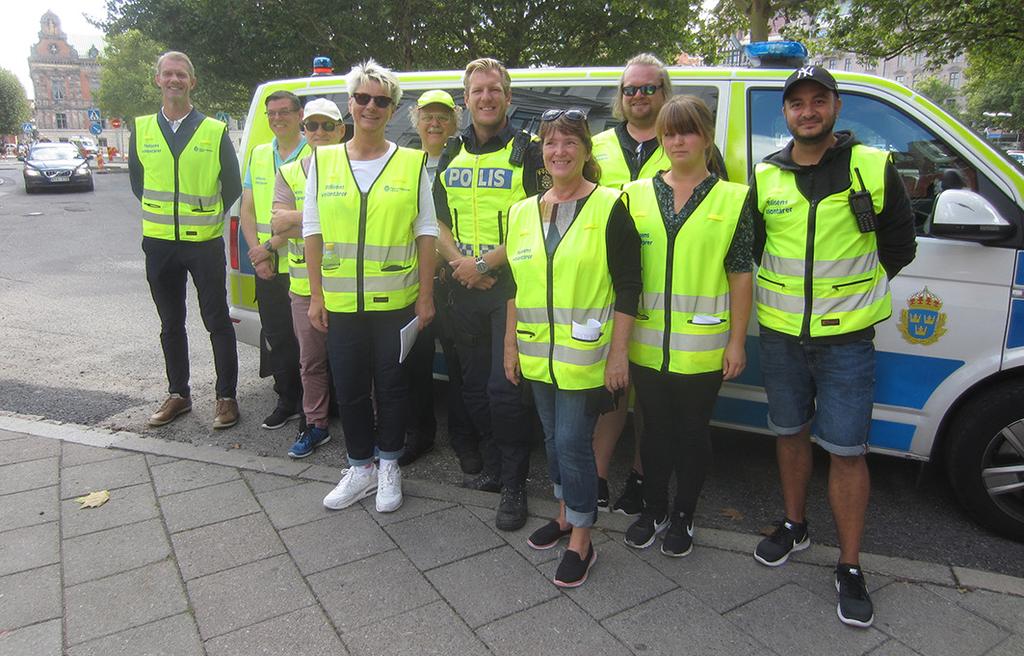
922	321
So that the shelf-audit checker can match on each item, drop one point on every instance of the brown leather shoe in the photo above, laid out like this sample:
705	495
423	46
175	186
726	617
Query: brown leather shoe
174	405
227	413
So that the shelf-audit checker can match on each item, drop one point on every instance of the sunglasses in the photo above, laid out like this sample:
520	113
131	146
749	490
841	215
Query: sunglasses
365	98
574	115
313	126
647	90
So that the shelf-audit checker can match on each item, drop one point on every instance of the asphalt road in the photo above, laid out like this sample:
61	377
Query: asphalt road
79	342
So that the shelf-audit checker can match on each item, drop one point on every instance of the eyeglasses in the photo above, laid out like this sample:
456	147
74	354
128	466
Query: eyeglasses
440	118
281	113
313	126
365	98
574	115
647	90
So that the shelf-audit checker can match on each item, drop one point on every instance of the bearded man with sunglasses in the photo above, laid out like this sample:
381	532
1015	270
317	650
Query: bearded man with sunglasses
484	171
279	350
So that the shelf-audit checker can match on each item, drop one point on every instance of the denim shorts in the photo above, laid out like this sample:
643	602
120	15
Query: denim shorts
831	385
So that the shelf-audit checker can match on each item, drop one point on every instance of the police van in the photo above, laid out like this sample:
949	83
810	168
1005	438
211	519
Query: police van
950	360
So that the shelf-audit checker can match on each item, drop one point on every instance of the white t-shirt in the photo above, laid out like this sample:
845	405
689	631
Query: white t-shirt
365	172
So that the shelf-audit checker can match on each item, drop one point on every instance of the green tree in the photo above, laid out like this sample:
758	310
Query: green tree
14	108
995	83
939	92
126	78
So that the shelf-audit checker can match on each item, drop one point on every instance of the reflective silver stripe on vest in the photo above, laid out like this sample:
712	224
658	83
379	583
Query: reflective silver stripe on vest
392	283
348	251
784	266
191	199
681	342
566	354
263	227
782	302
298	271
823	306
564	316
851	266
685	303
298	250
185	219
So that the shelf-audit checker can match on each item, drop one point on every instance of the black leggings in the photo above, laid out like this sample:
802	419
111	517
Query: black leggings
677	437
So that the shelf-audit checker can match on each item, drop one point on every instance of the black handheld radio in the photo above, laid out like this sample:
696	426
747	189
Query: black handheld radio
862	206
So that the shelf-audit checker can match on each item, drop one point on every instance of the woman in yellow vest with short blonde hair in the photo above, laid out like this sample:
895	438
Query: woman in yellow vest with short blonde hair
691	328
369	229
575	259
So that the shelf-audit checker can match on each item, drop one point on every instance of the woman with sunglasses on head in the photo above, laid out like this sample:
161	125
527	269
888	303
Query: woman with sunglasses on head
323	127
691	328
575	259
369	230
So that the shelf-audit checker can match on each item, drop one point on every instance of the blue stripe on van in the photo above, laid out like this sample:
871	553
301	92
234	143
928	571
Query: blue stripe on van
1019	278
891	435
1015	335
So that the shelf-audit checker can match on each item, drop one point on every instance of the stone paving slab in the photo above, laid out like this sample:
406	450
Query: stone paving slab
430	541
127	505
30	597
296	504
172	636
115	550
28	475
228	544
42	639
347	535
430	629
304	632
78	454
208	505
28	448
29	547
29	508
184	475
103	475
1001	610
555	627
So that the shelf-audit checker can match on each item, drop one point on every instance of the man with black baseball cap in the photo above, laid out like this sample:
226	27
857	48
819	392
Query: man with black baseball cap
833	224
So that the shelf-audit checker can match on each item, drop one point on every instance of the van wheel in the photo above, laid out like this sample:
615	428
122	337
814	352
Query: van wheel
985	459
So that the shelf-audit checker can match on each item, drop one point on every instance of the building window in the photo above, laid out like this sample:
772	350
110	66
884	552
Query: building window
954	79
846	64
900	79
58	90
62	121
831	63
918	59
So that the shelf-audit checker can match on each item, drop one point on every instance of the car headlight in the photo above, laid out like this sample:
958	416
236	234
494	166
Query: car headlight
32	173
83	169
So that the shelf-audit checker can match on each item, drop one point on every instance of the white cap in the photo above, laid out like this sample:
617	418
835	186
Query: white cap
322	107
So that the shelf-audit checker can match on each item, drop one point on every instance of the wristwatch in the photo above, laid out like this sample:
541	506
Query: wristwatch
268	246
481	265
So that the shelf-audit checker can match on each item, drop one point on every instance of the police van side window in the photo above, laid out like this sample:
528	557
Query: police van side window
926	163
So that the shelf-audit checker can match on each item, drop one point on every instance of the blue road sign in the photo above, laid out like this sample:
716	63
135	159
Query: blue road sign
223	117
96	128
26	127
94	113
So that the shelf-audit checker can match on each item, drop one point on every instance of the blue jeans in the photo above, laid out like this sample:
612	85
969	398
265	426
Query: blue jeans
568	440
830	384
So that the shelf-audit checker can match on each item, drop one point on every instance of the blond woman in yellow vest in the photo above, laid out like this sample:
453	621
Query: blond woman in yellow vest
691	327
369	229
575	259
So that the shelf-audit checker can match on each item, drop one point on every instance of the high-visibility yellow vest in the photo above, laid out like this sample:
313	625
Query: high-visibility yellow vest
262	174
683	322
369	260
560	296
614	169
181	197
835	284
298	276
481	189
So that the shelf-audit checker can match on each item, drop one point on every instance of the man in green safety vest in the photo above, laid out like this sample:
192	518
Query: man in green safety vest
268	253
184	171
833	224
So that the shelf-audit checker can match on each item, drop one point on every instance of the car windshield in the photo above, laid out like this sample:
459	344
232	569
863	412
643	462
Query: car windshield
53	153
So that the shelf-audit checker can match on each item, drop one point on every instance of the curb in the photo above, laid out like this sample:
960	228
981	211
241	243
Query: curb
900	568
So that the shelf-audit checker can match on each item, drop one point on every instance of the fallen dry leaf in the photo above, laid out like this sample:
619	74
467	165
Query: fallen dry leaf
94	499
731	513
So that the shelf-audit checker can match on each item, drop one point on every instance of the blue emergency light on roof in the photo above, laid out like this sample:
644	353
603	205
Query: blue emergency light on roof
323	65
776	54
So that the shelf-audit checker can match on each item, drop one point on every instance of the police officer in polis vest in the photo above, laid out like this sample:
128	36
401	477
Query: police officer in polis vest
488	168
833	224
184	171
268	253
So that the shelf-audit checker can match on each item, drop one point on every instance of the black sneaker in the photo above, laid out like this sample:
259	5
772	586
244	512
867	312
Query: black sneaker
642	532
678	540
788	537
854	606
632	500
548	535
572	571
278	418
413	450
602	494
484	482
470	462
511	509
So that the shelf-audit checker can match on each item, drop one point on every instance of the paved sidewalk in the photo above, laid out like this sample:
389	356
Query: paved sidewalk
206	551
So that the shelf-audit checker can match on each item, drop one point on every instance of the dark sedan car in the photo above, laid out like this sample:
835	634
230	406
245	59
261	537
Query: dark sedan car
56	166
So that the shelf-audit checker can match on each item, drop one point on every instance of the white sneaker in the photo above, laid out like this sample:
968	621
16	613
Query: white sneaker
356	483
389	494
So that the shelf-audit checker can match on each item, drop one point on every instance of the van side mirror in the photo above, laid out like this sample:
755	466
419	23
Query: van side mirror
964	214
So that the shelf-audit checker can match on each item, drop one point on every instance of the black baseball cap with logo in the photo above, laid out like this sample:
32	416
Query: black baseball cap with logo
814	74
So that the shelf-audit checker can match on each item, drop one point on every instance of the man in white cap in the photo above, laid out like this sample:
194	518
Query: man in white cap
323	127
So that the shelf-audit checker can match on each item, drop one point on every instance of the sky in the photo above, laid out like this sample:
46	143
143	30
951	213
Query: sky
21	30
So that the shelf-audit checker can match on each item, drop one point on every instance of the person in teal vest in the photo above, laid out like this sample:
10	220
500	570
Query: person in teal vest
268	254
575	259
833	224
322	126
183	169
691	327
369	230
